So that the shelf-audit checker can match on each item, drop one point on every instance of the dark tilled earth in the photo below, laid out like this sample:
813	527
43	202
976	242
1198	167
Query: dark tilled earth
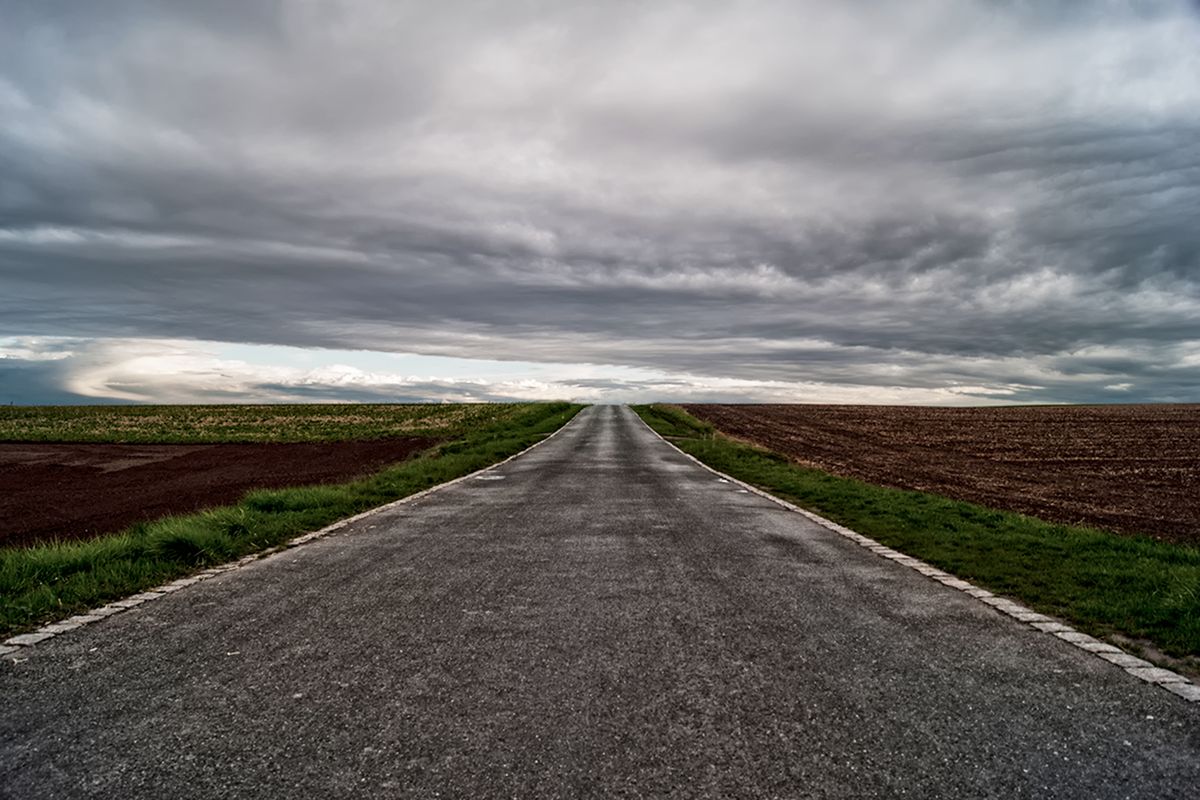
1126	468
73	491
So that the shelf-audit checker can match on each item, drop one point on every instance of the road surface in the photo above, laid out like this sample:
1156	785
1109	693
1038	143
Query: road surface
600	617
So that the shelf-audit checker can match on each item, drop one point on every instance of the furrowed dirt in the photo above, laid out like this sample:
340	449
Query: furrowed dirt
73	491
1130	469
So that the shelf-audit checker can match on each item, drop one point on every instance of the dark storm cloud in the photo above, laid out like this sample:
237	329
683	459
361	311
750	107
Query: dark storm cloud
999	195
34	383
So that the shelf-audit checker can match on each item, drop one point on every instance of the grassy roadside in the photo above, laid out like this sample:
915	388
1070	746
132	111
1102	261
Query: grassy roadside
1103	583
49	582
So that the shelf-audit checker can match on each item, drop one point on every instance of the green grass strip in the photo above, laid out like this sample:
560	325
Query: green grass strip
48	582
1101	582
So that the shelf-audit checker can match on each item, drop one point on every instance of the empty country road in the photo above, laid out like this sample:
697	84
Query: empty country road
599	617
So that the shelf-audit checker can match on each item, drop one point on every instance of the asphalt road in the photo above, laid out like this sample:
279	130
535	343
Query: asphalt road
601	617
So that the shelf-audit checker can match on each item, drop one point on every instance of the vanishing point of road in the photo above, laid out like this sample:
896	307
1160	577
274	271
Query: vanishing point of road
599	617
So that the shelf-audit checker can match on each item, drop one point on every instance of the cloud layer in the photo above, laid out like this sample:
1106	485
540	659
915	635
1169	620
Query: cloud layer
34	370
884	197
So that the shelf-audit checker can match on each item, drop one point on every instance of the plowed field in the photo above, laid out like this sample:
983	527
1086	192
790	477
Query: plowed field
72	491
1131	469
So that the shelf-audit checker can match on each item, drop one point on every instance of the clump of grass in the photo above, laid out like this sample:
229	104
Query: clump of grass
1102	582
672	421
299	499
50	581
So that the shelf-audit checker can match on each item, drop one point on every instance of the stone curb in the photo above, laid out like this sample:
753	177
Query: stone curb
1139	668
12	647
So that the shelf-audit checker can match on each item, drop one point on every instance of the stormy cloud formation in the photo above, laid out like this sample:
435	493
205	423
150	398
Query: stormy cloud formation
930	201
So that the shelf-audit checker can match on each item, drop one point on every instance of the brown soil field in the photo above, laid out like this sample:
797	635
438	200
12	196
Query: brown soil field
1128	468
73	491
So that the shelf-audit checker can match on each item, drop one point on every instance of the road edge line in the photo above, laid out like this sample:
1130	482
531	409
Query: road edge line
1143	670
12	647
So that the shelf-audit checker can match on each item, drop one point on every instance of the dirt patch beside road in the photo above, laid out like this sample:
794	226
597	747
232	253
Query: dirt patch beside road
73	491
1128	468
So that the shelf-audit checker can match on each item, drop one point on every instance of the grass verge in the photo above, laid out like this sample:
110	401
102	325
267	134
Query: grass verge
1106	584
48	582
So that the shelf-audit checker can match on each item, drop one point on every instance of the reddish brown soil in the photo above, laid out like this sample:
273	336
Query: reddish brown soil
1132	469
72	491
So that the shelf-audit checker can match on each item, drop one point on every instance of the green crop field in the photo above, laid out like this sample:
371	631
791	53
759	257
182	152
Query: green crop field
237	423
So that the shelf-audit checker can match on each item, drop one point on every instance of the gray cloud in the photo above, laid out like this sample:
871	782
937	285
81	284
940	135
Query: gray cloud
924	194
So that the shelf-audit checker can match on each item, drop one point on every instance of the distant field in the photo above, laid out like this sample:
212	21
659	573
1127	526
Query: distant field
1128	468
237	423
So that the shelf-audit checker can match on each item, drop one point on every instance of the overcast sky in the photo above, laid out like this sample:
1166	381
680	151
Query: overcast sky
921	201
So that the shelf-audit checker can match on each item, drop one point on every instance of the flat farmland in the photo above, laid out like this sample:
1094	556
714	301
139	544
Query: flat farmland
75	491
1130	468
78	472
